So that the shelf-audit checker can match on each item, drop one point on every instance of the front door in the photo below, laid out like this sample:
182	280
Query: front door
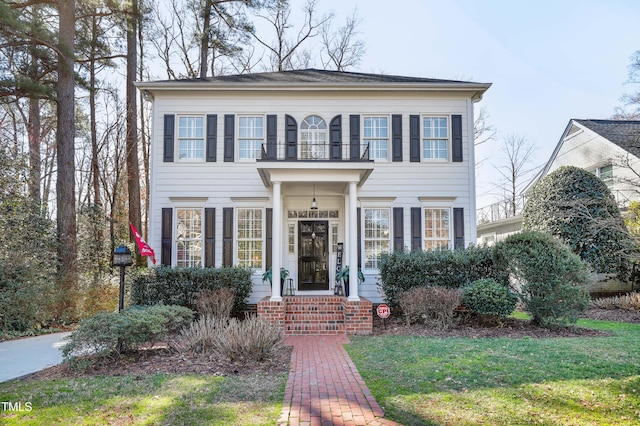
313	255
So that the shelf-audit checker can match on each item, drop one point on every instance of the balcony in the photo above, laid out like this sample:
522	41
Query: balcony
315	152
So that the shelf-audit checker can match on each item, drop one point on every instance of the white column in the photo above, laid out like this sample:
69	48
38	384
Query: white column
276	248
353	242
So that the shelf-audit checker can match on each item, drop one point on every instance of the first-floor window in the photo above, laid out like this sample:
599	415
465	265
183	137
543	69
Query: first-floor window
605	173
436	229
249	227
250	137
189	238
191	138
376	236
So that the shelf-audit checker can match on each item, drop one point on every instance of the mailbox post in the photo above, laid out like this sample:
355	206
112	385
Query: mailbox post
122	258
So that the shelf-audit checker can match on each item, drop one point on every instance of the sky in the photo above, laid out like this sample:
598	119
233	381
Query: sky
548	60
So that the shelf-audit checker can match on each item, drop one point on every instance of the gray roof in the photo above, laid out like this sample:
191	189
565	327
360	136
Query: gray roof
625	134
317	76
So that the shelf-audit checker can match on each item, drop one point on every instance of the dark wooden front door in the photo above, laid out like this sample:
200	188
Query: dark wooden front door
313	255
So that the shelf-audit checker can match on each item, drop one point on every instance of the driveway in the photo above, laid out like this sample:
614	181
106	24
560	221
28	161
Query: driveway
25	356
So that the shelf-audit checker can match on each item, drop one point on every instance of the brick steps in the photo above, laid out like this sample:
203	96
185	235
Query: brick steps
317	315
314	315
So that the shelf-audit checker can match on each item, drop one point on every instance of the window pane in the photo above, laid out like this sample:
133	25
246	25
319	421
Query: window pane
436	229
376	235
249	243
189	237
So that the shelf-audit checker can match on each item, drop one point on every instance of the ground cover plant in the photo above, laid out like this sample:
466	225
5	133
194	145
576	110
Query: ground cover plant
435	379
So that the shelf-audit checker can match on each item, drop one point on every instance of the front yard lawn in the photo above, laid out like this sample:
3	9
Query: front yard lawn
157	399
505	381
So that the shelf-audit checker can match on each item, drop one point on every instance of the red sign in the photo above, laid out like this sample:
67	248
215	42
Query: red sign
383	311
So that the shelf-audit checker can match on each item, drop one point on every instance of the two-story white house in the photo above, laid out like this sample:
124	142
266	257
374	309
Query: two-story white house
295	169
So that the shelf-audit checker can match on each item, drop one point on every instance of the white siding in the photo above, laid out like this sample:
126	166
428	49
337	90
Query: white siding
219	181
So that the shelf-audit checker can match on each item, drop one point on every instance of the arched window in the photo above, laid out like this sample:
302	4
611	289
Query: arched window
313	139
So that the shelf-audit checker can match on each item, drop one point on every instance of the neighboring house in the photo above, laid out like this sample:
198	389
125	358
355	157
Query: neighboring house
608	148
286	169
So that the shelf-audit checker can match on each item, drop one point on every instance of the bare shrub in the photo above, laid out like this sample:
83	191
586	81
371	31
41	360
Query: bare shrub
215	303
200	335
434	306
253	339
629	302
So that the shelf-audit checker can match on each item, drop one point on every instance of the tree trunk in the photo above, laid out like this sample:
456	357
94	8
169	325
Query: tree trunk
133	170
65	182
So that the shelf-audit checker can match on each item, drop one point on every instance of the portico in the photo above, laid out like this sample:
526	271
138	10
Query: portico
294	184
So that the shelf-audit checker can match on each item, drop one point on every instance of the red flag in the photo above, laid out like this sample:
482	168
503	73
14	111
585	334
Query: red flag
145	249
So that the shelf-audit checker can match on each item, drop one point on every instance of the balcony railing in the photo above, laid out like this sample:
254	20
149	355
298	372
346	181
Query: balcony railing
315	152
501	210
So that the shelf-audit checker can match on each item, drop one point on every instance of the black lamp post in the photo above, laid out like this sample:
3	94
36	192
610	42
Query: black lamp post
122	258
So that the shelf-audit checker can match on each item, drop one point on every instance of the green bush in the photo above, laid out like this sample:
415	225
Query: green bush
549	279
111	333
575	206
487	297
180	286
403	270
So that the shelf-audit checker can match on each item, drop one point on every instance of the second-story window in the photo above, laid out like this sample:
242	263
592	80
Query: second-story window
435	138
313	139
250	137
605	173
191	138
376	137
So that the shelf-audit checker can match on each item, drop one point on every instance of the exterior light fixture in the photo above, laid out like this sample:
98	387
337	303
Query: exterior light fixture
122	258
314	205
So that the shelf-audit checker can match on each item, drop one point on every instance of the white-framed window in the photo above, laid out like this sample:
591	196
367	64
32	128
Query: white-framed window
437	228
291	237
249	225
189	237
605	173
313	139
435	138
377	235
190	138
250	137
376	136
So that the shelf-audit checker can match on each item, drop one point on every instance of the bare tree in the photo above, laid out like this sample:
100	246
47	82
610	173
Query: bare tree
284	48
631	108
483	131
517	151
342	49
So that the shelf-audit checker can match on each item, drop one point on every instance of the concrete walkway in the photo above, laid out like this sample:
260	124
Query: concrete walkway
324	387
25	356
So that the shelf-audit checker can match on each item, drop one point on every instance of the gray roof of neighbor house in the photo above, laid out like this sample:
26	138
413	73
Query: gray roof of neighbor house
625	134
315	79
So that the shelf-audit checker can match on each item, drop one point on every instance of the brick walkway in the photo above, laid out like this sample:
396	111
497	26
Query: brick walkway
324	387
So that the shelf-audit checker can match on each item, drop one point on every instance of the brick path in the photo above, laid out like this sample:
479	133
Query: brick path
324	387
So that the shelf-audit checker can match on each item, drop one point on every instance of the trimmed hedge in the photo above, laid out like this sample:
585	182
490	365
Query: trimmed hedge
179	286
403	270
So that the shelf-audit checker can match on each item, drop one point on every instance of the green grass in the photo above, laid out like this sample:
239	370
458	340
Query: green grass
160	399
505	381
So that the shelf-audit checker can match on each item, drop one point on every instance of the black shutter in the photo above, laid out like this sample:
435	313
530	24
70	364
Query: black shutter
209	237
291	137
414	138
229	130
456	138
272	137
458	227
227	236
169	131
269	237
212	137
167	236
396	137
398	229
354	137
416	228
359	215
335	137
